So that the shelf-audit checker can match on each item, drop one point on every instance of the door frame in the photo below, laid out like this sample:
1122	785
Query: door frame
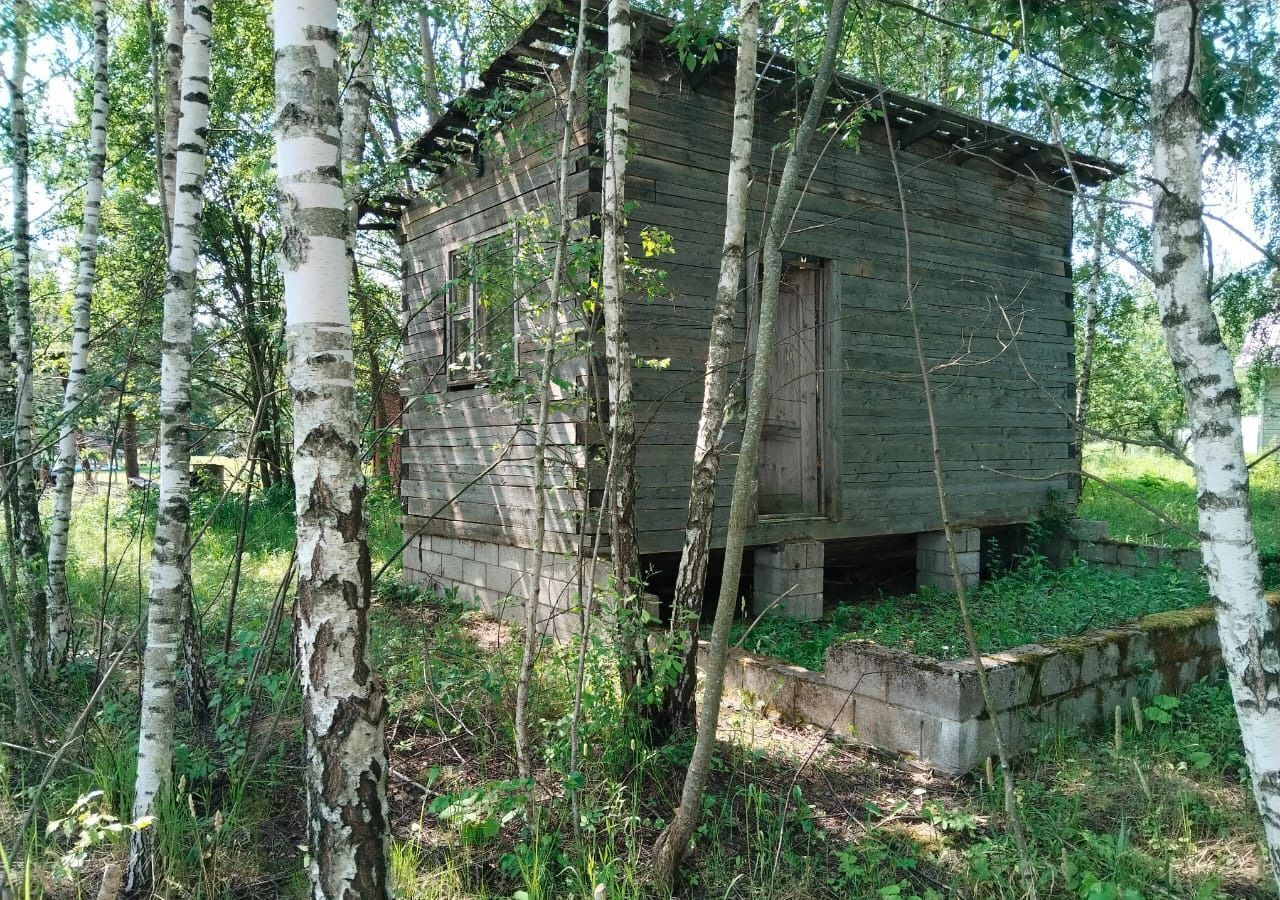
828	350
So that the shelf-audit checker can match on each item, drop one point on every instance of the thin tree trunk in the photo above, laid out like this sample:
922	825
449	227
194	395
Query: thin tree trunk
355	125
167	595
173	50
355	111
430	71
633	648
673	843
129	438
28	716
1093	297
564	222
953	560
1250	644
344	705
26	495
157	116
678	698
65	468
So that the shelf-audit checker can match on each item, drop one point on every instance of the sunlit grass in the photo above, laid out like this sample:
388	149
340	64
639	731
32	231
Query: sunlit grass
1169	485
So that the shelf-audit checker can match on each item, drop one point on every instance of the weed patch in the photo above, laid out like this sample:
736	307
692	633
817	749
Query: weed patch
1032	603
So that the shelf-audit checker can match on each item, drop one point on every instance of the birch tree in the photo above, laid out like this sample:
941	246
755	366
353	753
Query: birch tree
677	709
173	50
673	843
65	468
169	585
623	548
1250	644
30	540
355	127
344	706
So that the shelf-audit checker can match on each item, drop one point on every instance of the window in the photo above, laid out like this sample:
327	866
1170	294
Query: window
482	323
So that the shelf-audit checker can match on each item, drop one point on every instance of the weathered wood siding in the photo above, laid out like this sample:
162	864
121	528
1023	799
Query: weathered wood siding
991	262
985	246
452	434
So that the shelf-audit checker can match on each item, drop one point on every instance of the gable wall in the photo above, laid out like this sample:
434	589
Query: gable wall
453	436
982	241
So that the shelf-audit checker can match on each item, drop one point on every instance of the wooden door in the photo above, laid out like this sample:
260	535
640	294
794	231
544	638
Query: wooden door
789	477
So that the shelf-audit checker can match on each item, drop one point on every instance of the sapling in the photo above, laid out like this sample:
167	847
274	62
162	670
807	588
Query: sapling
564	224
673	843
953	561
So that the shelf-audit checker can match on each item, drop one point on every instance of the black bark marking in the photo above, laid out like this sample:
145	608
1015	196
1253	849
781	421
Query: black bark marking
1260	679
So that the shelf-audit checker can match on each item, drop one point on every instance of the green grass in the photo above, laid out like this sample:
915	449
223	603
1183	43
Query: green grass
1032	603
788	815
1168	485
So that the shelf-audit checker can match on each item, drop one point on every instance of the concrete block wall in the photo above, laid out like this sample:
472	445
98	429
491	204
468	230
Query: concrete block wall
932	710
1089	541
933	563
792	571
496	578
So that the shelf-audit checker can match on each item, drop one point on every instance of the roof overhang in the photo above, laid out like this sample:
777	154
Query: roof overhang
545	45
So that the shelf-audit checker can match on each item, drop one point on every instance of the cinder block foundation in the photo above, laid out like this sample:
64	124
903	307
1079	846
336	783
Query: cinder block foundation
933	709
495	577
793	572
933	566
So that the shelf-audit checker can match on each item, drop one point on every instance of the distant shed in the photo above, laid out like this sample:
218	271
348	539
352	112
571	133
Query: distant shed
846	452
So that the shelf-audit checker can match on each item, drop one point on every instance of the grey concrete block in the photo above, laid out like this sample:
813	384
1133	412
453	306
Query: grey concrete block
967	540
791	571
473	573
1188	560
484	552
512	557
506	581
1087	529
801	606
1011	677
825	706
1059	674
431	561
1099	554
1099	661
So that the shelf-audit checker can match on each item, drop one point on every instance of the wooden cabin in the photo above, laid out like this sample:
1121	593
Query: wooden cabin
845	476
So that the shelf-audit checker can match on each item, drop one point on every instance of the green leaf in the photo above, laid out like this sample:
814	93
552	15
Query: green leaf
1200	759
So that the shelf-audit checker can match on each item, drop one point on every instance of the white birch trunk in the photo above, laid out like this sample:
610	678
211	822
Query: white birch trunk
65	468
26	499
673	843
623	549
168	589
344	706
678	700
173	38
1250	645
